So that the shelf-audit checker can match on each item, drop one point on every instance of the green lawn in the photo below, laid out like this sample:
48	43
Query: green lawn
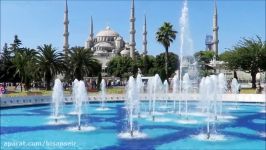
115	90
248	91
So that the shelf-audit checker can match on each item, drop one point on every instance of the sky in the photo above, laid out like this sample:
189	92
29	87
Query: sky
38	22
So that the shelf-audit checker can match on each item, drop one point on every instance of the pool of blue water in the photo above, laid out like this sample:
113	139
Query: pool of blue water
241	127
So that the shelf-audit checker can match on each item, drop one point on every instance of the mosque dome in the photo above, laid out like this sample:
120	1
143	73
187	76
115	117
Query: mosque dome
107	32
103	44
125	52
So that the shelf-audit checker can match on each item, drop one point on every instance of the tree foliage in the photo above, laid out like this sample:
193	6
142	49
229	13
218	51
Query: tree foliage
248	55
160	62
25	62
50	63
82	63
203	58
166	35
122	67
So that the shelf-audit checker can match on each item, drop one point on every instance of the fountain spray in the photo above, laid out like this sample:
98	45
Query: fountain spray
131	92
57	98
81	98
103	93
235	88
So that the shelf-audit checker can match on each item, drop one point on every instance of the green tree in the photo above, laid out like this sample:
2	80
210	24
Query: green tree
204	58
248	55
159	65
146	64
25	62
50	63
122	67
15	46
165	35
5	64
82	63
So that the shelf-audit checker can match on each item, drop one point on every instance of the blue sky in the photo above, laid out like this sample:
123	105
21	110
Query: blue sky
38	22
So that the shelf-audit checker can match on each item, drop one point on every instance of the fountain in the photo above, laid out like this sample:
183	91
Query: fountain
132	91
150	91
103	96
186	87
175	90
166	91
214	79
208	88
212	87
185	40
157	88
81	99
202	95
103	92
235	90
74	95
57	99
139	86
221	89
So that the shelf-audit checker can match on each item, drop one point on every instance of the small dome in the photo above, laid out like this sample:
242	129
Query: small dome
125	52
103	44
107	32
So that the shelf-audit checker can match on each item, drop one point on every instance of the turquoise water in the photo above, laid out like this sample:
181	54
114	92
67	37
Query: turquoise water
31	128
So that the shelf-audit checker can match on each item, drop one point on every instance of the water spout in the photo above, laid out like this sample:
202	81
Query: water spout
57	98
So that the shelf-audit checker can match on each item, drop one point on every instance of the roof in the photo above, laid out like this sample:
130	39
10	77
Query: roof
103	44
107	32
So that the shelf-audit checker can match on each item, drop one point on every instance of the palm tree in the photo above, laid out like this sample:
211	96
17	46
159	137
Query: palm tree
50	63
82	63
165	35
24	63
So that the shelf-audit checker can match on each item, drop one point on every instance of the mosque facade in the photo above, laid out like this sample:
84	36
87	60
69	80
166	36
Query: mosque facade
107	43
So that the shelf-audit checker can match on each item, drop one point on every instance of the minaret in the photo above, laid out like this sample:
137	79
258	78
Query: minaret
215	30
89	43
145	37
66	33
132	31
91	32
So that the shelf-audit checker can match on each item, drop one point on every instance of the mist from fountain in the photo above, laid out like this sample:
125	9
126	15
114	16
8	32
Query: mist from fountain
202	95
221	90
175	83
187	87
150	93
81	99
74	95
210	90
166	92
139	86
131	94
57	99
103	95
235	90
214	93
157	88
186	41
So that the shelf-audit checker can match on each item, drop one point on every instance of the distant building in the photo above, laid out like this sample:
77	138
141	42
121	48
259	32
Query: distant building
107	43
209	42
